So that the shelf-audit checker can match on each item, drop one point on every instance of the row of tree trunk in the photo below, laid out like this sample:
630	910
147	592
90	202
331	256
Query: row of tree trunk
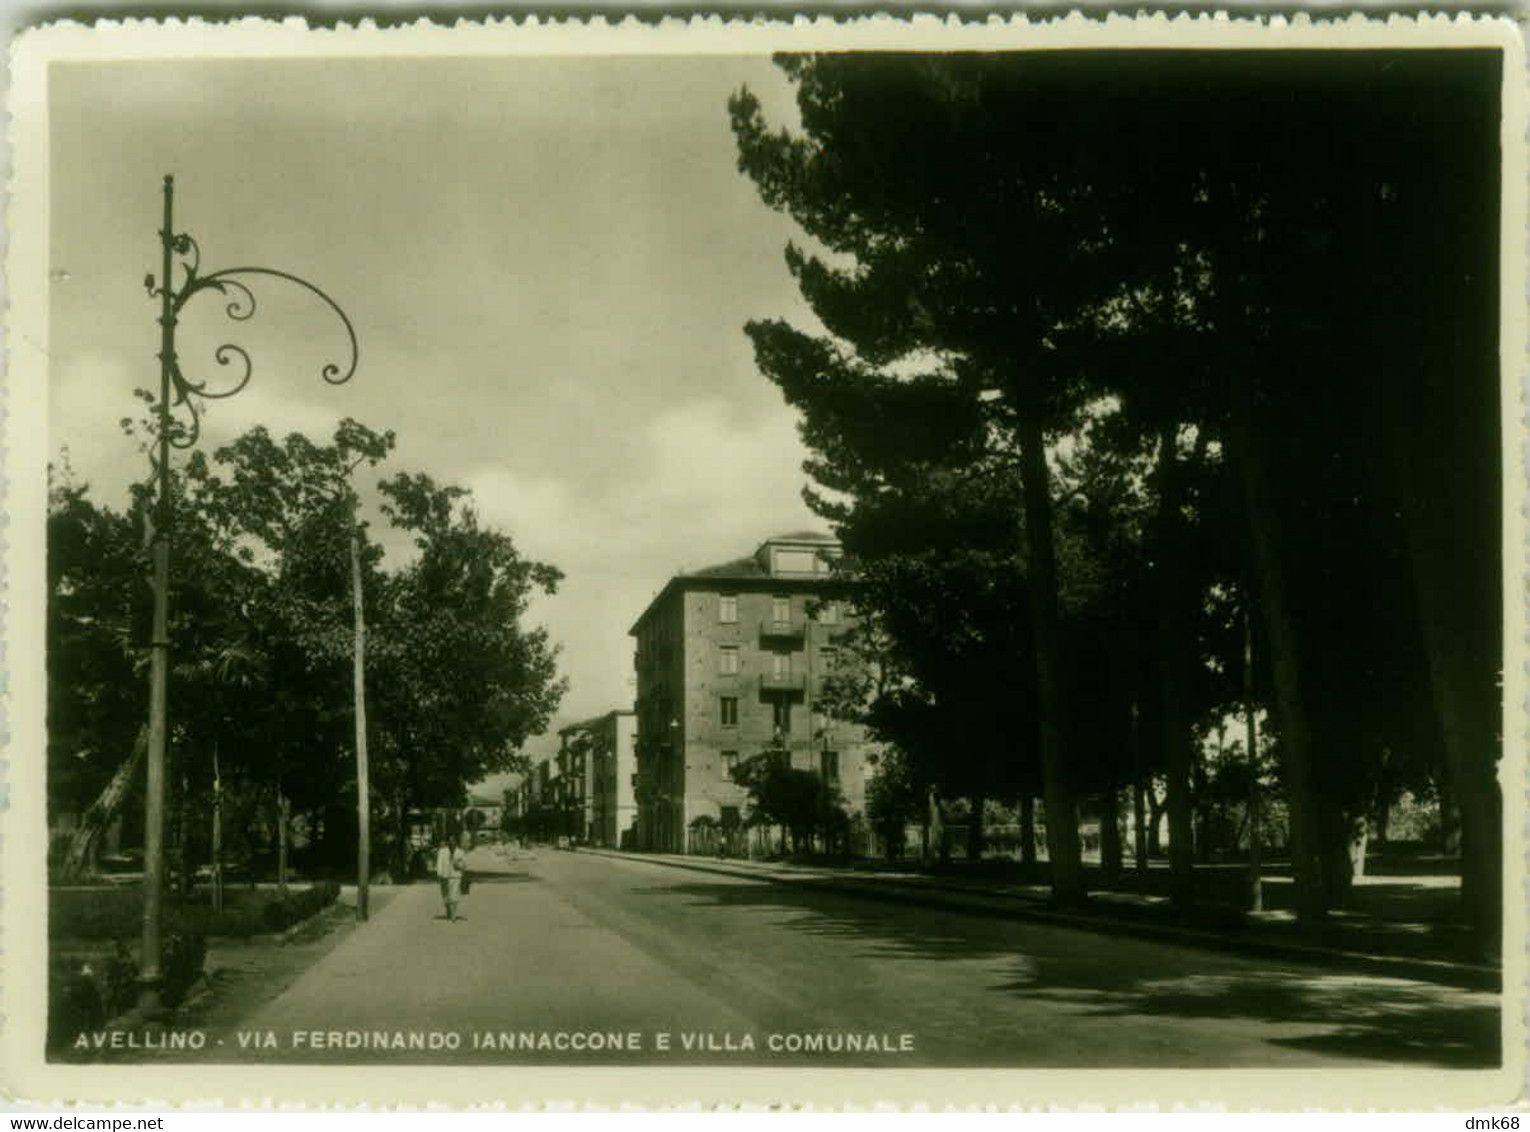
1326	843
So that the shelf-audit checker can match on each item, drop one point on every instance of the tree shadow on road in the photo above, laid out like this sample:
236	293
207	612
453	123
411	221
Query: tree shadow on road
1356	1015
1372	1018
504	878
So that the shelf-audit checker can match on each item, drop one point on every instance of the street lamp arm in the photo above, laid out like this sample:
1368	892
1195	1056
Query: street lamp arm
241	307
185	436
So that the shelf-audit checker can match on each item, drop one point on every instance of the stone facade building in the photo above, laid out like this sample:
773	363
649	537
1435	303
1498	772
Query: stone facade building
730	661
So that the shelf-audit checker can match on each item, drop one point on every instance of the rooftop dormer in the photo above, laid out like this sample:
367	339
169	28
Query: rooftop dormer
805	554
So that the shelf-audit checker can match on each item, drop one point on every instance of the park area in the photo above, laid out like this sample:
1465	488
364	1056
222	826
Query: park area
93	973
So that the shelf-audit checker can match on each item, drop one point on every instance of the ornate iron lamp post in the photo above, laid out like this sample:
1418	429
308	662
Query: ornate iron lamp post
178	392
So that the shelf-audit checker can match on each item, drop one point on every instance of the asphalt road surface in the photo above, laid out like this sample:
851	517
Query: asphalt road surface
565	958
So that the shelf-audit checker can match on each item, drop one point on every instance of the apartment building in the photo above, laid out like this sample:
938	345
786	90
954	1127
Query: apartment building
531	799
730	661
597	763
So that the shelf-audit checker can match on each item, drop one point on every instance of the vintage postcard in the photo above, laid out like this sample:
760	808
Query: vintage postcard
894	561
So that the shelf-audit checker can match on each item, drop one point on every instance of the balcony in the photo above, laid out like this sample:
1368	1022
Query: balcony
781	631
783	684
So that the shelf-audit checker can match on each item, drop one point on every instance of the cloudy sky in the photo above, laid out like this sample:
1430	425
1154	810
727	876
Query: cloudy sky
548	263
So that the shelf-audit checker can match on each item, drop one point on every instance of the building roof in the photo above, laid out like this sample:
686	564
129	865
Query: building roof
586	724
743	570
805	536
747	567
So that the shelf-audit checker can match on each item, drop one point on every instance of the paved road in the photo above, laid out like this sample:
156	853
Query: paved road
556	945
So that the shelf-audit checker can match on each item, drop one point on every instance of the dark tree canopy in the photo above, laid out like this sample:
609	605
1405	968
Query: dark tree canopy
1160	341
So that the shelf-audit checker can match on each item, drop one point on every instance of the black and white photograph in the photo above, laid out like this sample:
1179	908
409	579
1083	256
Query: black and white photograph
981	552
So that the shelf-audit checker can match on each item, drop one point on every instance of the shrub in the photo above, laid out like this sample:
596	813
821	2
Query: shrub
74	1002
181	963
119	980
84	992
282	914
105	914
95	913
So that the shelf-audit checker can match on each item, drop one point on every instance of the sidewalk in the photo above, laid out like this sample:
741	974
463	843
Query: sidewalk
1407	947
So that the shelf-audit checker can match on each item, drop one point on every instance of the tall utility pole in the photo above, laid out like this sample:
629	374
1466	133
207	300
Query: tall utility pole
217	834
1256	883
363	797
179	393
1139	788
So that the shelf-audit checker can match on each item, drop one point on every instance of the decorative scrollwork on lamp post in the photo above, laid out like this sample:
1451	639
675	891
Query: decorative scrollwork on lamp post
180	394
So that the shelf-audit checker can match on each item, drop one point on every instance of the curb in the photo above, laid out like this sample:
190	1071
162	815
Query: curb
292	931
1003	906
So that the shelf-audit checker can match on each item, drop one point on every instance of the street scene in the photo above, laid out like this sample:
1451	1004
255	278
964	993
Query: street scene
557	951
893	560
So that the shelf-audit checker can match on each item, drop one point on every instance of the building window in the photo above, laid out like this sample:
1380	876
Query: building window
830	657
727	609
727	660
729	708
781	610
780	663
828	613
794	562
730	765
781	717
828	765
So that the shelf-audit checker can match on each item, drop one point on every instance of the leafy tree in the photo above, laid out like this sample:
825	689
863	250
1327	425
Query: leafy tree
462	682
287	510
97	607
262	626
939	604
800	801
893	800
960	240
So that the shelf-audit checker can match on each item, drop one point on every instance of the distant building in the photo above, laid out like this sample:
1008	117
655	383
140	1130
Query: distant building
571	795
598	763
516	803
490	811
729	664
530	799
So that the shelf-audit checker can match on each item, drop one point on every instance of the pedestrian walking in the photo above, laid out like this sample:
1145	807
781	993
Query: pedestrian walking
450	861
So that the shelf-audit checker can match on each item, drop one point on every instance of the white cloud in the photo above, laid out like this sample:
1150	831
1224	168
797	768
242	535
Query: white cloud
722	481
707	484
